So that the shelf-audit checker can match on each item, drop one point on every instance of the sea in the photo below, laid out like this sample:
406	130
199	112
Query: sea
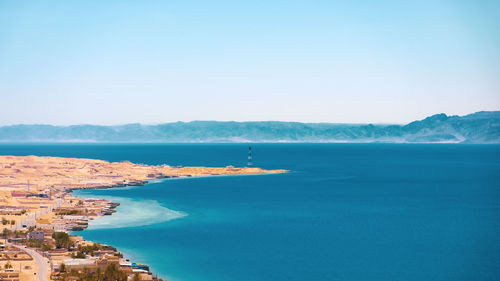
349	212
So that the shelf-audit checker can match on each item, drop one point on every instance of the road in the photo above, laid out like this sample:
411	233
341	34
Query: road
31	220
43	265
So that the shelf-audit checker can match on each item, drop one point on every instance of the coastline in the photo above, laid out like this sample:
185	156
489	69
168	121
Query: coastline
38	197
127	254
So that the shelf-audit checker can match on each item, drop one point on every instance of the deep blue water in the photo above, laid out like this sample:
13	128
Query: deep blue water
345	212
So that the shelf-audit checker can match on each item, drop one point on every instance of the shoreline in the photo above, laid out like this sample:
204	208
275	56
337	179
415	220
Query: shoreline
133	257
158	180
39	202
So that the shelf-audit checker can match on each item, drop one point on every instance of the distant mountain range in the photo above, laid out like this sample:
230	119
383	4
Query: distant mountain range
480	127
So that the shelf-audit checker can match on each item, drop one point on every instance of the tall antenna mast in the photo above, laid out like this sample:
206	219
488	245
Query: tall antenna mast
249	164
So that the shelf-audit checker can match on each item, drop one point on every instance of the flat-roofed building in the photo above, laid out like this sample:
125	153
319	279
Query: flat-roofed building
37	234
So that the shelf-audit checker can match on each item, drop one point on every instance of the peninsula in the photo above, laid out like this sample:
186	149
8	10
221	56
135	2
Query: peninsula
38	210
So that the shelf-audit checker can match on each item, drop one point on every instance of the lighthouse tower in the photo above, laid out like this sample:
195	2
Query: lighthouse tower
249	164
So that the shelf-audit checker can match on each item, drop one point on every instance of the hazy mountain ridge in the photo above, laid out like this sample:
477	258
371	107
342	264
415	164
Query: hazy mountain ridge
480	127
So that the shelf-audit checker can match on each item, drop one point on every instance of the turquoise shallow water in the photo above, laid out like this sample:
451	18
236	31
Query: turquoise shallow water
346	212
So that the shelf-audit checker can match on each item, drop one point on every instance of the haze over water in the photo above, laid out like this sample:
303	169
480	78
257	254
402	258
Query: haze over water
345	212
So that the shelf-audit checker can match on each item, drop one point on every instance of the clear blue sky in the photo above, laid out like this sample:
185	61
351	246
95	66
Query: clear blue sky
115	62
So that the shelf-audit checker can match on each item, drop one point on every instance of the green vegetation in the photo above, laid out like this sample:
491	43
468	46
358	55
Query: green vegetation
6	233
5	221
111	273
67	212
35	243
90	249
62	240
46	247
86	250
8	265
79	255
